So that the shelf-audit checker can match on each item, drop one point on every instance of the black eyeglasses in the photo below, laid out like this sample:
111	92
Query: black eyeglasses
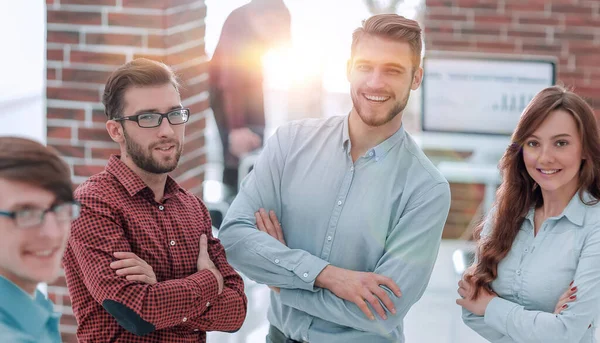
32	217
149	120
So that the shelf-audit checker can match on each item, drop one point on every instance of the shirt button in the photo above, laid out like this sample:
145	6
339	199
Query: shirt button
339	203
276	260
371	153
196	330
172	242
328	238
184	319
208	304
518	271
161	207
351	169
305	274
526	250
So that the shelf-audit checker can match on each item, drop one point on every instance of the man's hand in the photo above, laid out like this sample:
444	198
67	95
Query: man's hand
243	141
133	268
270	224
360	288
204	262
478	305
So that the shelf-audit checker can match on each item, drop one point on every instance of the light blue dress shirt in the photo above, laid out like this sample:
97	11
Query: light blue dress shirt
26	320
383	214
537	271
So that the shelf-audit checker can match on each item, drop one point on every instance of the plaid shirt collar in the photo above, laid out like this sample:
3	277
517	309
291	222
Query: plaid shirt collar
133	183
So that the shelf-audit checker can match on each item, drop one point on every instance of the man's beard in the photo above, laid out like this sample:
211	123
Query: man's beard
146	162
372	120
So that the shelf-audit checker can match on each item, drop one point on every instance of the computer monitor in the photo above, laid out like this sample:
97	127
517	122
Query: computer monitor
472	102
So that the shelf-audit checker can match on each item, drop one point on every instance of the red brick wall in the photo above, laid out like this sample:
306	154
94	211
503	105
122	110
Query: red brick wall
88	39
566	29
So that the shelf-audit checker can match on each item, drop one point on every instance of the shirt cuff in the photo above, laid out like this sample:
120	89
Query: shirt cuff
207	286
307	272
497	312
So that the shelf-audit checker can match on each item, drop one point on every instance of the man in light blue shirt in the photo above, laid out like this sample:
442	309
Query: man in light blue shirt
358	209
36	209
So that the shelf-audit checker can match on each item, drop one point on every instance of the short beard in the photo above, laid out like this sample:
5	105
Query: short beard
145	161
397	109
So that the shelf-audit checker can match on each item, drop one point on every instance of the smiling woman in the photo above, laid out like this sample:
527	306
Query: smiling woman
36	209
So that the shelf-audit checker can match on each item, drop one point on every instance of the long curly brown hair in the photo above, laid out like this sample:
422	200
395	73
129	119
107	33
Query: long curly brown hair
517	194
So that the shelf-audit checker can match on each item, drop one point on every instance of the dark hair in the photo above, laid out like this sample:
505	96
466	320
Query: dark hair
24	160
137	73
393	27
517	193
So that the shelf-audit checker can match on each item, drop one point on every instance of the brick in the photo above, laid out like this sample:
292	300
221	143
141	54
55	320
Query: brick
543	48
70	151
197	108
192	71
50	73
522	6
104	154
63	37
97	58
83	75
71	17
590	60
579	47
477	4
492	19
445	17
146	4
447	43
65	113
86	170
191	164
98	116
174	3
192	182
67	319
49	2
147	21
539	21
93	134
446	28
186	55
194	144
55	54
129	40
196	126
185	17
192	90
582	20
163	42
512	33
72	93
574	9
60	132
89	2
573	35
496	47
159	58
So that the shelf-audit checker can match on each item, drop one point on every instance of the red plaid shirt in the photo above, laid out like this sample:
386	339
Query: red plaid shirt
119	213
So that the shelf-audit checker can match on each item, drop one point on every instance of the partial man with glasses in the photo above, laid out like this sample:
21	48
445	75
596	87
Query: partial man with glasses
36	210
142	264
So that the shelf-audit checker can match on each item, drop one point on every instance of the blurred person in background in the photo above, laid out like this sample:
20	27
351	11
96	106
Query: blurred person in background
236	78
343	216
36	210
537	273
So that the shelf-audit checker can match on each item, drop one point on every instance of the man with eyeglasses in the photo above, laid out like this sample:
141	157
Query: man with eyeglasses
141	263
36	209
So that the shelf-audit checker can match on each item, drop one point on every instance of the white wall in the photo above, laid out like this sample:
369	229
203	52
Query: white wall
22	68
